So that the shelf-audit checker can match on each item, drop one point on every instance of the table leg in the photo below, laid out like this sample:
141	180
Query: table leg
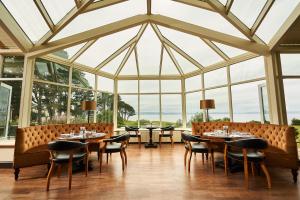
150	144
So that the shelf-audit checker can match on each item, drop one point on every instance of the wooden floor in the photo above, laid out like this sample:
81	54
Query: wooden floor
151	174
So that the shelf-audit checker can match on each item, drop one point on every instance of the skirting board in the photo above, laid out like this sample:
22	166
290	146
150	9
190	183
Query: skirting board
6	165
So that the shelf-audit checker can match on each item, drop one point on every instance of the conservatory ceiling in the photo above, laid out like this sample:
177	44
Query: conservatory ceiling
119	38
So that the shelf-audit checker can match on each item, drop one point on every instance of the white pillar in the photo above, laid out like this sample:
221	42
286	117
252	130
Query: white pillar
183	103
230	107
275	89
69	95
1	64
115	110
26	94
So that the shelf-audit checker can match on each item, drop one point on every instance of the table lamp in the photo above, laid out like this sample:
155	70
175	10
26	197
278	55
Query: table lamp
206	105
88	106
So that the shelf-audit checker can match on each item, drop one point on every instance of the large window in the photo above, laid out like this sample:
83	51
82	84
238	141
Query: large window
221	111
149	110
128	110
105	104
171	110
193	112
83	79
13	67
215	78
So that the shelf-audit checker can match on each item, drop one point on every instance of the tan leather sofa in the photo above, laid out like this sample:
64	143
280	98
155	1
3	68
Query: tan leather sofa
282	151
31	142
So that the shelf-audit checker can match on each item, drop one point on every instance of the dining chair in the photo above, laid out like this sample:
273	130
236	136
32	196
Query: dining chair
115	145
66	152
134	132
247	151
195	144
169	130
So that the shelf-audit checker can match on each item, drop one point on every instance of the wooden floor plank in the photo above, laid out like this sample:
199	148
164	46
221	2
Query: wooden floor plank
150	174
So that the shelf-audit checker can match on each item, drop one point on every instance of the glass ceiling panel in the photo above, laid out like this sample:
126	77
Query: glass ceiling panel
197	16
247	11
100	17
148	51
192	45
130	66
105	84
185	65
229	50
277	15
113	65
28	17
223	2
168	67
71	51
57	9
105	46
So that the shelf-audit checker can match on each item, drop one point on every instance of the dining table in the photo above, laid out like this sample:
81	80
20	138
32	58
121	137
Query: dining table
151	144
221	136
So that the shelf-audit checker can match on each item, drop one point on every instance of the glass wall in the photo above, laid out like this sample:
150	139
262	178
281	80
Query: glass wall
11	74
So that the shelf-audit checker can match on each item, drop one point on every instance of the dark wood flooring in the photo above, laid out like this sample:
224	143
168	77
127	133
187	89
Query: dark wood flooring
151	174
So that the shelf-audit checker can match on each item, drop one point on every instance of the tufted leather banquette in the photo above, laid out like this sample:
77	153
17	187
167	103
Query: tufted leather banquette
31	142
282	146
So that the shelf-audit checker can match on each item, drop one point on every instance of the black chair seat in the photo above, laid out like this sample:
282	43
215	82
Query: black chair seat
113	148
64	158
251	156
166	135
198	148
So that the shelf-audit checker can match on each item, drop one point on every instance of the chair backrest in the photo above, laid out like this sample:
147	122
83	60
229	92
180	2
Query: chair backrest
190	138
65	146
121	138
131	128
168	128
251	143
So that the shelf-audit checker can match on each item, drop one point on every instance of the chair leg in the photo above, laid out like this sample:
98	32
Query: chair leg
159	140
125	155
266	172
58	170
17	172
189	167
49	175
70	173
226	164
185	155
202	158
100	159
172	141
295	175
246	173
106	158
86	165
122	157
252	168
140	141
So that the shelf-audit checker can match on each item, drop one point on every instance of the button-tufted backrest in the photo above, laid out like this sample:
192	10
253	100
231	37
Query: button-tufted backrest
278	136
34	136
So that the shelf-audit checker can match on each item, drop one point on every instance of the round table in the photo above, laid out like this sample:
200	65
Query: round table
151	144
83	138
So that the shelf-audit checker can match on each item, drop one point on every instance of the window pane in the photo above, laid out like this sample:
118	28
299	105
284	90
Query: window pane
215	78
14	106
128	110
170	85
149	105
168	67
69	52
291	91
149	48
247	11
247	70
28	17
221	111
105	84
113	65
290	64
57	9
83	79
277	15
49	104
149	86
245	100
79	95
105	107
193	112
13	67
171	110
193	83
130	66
185	65
50	71
229	50
125	86
195	15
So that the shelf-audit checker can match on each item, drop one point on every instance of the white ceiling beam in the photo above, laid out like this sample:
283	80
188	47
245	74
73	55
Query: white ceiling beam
101	4
161	58
262	16
209	34
150	77
165	41
216	49
77	2
13	30
39	4
137	61
149	4
228	6
160	37
198	4
275	41
88	35
82	50
11	52
123	48
231	18
74	12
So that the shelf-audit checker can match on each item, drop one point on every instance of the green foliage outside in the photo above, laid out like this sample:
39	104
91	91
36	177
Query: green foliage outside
296	124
